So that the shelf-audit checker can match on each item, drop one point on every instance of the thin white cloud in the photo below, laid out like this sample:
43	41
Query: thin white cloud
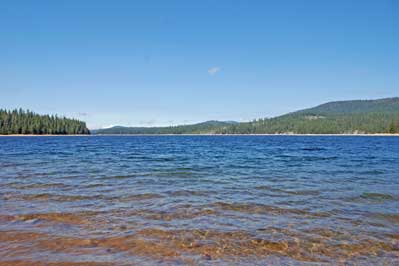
108	126
213	70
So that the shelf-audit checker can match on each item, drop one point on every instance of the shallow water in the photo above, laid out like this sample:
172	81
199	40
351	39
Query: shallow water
199	200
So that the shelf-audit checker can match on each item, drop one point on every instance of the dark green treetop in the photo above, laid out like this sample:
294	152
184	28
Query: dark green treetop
27	122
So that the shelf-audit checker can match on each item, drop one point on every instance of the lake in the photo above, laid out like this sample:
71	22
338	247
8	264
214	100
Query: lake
199	200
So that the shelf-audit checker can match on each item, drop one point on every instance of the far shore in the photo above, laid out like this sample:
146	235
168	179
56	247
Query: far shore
132	135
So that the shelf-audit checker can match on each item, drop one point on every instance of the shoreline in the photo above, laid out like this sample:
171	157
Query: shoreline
132	135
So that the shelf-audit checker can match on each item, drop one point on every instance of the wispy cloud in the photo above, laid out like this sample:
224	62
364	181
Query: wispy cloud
214	70
83	114
107	126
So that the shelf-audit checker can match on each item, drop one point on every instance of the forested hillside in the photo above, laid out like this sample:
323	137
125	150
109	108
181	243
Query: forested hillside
387	105
207	127
26	122
343	117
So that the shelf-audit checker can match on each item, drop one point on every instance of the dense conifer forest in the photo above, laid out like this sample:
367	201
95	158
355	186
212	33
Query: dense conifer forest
27	122
342	117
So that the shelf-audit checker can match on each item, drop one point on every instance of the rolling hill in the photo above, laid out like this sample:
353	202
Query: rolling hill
339	117
208	127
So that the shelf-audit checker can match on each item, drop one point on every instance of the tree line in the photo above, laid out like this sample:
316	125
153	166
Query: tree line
207	127
370	123
27	122
294	123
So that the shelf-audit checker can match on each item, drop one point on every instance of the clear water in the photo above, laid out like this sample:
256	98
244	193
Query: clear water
199	200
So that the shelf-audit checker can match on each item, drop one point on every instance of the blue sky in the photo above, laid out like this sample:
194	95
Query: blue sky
145	63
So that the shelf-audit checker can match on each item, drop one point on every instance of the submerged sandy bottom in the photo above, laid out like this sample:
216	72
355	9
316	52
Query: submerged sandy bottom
108	238
199	201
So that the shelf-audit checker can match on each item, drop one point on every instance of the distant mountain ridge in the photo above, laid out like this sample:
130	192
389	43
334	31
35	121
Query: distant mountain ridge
207	127
338	117
355	107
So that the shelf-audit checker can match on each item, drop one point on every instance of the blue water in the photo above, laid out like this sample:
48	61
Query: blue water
199	200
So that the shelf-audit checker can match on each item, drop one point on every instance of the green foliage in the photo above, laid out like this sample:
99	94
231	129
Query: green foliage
393	128
387	105
307	124
208	127
344	117
27	122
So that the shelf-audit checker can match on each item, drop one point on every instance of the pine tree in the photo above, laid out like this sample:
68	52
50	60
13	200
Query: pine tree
393	128
27	122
